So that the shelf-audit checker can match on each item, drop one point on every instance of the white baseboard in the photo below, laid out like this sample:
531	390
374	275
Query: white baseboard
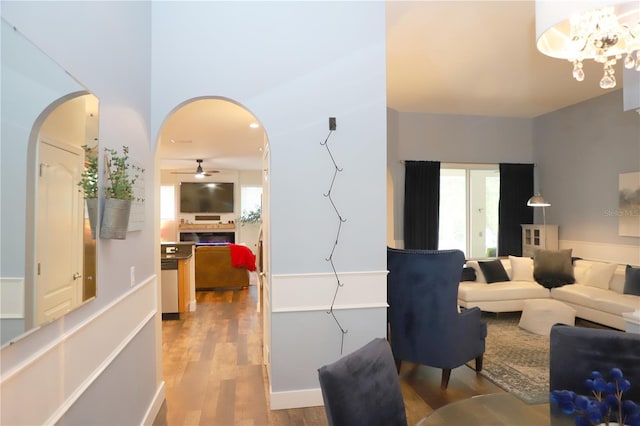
295	399
614	253
154	407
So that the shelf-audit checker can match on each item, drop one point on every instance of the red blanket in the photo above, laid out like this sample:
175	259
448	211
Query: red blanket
242	257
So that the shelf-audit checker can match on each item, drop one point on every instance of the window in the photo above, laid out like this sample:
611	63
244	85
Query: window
469	196
167	202
250	198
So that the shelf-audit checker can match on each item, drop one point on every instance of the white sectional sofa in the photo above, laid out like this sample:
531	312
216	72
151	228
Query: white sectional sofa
597	295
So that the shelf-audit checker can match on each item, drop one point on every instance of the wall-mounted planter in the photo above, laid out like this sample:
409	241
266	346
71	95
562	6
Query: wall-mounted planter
115	219
92	212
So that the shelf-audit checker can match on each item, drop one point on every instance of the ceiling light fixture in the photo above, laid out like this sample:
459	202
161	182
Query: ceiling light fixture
199	170
601	30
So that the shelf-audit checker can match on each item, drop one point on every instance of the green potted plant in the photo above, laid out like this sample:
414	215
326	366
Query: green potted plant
120	178
89	184
253	216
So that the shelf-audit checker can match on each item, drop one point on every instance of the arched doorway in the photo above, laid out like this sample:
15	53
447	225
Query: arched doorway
210	141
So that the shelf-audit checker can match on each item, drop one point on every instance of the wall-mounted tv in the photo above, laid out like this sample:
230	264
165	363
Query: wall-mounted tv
206	197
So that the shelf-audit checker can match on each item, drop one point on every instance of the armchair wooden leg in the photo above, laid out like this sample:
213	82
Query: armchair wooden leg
446	374
398	364
479	363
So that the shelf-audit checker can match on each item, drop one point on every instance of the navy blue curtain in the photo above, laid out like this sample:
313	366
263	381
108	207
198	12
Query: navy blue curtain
421	204
516	187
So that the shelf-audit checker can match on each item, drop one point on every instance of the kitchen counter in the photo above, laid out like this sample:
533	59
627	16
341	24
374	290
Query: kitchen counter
176	250
178	286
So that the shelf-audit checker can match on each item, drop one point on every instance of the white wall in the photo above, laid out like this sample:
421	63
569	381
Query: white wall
293	65
78	369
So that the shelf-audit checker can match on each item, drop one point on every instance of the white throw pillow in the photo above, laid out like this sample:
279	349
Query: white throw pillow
580	272
600	275
476	267
521	268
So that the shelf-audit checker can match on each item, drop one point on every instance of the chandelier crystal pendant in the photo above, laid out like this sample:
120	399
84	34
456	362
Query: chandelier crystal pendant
603	31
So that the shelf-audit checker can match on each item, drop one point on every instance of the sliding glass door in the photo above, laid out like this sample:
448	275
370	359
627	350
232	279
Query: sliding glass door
469	196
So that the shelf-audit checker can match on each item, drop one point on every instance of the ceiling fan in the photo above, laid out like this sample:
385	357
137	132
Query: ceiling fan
199	173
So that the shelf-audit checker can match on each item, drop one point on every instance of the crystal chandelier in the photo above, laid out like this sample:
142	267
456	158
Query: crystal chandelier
605	33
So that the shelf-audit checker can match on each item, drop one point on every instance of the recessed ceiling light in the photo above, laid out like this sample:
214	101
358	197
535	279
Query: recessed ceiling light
254	125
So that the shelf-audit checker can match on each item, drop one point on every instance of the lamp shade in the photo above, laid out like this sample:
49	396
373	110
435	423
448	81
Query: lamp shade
553	27
537	201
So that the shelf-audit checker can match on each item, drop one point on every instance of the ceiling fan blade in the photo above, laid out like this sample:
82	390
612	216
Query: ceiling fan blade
206	172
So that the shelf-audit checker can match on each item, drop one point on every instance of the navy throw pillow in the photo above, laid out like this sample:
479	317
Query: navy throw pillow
468	274
494	271
632	280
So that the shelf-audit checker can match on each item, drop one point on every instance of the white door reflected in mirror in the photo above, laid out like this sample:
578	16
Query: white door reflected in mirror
59	239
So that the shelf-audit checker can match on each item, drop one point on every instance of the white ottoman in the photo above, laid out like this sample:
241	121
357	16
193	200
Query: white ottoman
539	315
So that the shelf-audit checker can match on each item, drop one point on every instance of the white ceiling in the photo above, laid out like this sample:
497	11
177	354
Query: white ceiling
443	57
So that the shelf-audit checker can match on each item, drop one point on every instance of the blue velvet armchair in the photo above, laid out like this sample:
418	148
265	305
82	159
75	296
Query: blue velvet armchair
425	325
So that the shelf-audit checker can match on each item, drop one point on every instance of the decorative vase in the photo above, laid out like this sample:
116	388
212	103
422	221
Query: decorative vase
92	212
115	219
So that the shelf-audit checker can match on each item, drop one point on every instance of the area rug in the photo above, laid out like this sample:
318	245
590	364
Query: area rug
515	359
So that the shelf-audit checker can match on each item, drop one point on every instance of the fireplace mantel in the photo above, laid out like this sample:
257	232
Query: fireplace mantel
206	226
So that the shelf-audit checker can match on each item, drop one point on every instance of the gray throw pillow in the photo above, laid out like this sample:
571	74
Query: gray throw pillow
632	281
553	268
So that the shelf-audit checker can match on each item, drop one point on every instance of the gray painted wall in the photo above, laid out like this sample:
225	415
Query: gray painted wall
464	138
580	150
292	74
288	67
106	46
293	70
124	392
362	325
453	139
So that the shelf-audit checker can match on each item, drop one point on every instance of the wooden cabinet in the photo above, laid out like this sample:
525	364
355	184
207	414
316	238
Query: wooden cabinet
538	237
184	283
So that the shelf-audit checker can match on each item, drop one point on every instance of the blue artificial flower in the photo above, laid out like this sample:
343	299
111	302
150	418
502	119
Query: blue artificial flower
612	401
615	374
630	408
581	402
567	407
624	385
594	414
600	384
608	401
560	396
588	384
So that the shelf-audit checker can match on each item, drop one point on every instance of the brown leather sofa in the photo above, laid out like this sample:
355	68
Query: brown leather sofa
214	270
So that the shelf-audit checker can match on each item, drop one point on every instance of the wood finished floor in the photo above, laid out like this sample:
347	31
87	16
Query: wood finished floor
213	371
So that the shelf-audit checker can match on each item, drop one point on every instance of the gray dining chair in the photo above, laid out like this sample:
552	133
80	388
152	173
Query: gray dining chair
363	388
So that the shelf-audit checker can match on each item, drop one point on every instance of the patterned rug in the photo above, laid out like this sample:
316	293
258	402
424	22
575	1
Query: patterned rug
515	359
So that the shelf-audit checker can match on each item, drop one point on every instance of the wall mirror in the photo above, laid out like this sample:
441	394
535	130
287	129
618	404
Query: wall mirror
47	252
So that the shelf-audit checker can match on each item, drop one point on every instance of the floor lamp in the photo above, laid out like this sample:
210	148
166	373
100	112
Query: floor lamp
538	201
